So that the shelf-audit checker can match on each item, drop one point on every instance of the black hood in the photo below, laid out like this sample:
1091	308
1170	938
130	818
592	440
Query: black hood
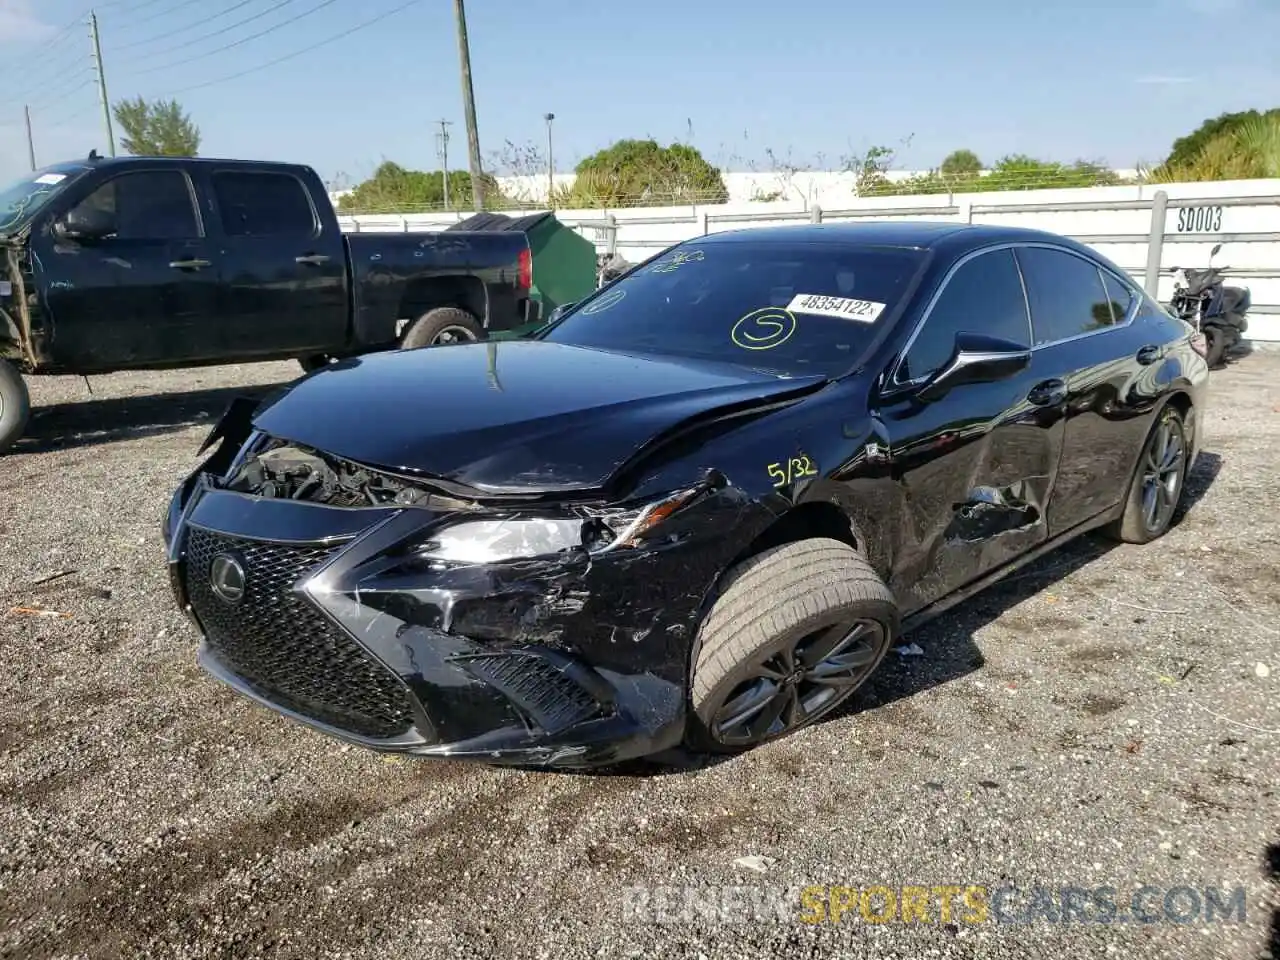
519	416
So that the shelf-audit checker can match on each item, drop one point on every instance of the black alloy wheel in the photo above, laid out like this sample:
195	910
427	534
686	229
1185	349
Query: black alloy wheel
799	683
1163	469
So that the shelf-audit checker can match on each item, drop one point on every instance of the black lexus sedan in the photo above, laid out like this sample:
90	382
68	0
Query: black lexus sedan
695	509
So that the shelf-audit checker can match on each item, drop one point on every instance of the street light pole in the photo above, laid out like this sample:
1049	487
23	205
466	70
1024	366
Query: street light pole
551	163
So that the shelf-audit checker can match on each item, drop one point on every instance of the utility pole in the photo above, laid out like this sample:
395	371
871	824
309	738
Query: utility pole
102	81
444	157
551	163
31	144
469	106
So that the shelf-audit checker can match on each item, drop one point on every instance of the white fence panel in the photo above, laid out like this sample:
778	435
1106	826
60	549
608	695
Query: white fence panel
1244	216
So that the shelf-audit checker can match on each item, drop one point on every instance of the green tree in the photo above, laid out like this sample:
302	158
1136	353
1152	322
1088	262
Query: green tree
643	172
961	163
1247	150
157	128
395	189
1014	172
1187	150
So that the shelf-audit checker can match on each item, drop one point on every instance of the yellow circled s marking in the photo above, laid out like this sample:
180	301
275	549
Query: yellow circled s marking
764	329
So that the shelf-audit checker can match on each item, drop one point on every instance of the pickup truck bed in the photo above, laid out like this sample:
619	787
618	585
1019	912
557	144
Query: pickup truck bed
137	262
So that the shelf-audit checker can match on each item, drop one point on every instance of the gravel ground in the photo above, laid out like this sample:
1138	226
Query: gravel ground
1109	718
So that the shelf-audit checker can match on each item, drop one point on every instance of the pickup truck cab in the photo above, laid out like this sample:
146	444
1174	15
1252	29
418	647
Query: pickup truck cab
161	262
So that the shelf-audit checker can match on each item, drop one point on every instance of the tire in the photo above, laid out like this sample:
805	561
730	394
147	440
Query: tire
1217	346
442	322
777	611
15	405
314	362
1153	473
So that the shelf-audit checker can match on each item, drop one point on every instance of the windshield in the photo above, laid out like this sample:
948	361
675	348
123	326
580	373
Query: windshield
22	198
794	308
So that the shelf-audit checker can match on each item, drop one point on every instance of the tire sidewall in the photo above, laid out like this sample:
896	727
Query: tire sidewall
427	327
15	405
1217	346
1169	413
885	614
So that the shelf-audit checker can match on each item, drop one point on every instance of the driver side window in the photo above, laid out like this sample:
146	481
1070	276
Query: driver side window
147	205
984	296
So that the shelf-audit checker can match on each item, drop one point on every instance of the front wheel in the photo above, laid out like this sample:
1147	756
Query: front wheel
795	631
15	405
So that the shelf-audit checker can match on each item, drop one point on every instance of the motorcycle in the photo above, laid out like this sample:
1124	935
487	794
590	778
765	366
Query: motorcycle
1216	310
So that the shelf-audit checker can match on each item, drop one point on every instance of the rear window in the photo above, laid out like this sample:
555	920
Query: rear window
793	308
263	205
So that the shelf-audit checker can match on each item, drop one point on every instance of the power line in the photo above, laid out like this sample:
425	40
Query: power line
227	29
48	98
198	23
297	53
47	45
172	10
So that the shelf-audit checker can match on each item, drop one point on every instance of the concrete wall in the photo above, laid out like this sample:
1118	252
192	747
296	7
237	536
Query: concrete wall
1243	215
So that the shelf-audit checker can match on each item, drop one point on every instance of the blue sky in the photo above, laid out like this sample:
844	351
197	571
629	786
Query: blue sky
812	79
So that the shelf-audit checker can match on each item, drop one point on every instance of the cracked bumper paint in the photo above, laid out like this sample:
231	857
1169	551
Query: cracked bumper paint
566	662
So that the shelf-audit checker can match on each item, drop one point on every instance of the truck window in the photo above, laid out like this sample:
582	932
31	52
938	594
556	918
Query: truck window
148	205
263	205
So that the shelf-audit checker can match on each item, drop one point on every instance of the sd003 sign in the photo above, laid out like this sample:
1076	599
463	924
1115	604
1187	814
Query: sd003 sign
1200	219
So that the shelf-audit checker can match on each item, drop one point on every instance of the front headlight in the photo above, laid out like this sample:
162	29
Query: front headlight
488	541
516	538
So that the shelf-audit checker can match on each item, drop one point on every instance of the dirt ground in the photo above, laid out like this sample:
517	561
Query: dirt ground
1108	718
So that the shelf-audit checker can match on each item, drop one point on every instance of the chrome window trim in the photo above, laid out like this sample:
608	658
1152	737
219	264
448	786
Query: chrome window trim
972	255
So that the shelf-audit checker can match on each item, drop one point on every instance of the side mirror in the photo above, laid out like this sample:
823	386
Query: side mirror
976	359
84	224
560	311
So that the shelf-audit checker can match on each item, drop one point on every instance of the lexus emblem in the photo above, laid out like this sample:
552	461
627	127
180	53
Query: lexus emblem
226	578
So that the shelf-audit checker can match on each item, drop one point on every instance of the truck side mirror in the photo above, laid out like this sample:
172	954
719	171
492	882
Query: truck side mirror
84	224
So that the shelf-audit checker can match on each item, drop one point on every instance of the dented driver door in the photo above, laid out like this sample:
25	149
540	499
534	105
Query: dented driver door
974	468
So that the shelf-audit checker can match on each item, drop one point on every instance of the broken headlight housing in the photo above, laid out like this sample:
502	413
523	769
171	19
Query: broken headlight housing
515	538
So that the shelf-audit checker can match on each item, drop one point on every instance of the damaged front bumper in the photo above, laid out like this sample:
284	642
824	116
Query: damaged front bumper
330	616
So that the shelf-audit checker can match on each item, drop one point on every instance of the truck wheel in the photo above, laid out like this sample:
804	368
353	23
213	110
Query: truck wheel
796	630
15	405
443	325
315	362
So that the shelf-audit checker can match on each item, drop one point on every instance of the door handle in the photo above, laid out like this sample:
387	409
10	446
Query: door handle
315	259
1048	393
1149	354
189	264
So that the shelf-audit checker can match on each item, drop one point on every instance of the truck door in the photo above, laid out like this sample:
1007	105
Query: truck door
146	292
284	271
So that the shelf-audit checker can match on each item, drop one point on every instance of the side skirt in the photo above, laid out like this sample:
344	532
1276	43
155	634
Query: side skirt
922	616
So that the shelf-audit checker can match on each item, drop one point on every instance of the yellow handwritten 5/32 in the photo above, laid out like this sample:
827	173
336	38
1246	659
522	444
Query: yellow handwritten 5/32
788	471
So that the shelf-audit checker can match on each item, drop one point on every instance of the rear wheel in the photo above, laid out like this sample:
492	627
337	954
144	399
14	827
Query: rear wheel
795	631
442	326
1157	483
15	405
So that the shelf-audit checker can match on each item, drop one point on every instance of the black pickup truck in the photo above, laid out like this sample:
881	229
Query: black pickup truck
140	262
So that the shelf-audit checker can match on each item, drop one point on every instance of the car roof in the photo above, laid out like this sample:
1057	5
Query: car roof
916	234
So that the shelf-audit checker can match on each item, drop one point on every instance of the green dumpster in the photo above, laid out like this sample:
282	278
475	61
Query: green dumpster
564	262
